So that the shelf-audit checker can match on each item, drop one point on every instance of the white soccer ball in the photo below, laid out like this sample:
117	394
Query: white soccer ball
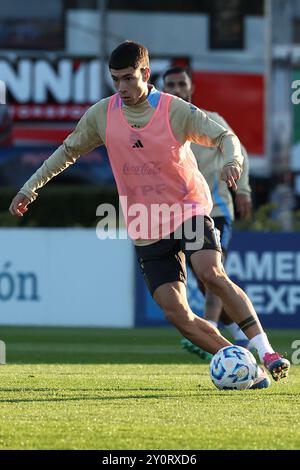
233	368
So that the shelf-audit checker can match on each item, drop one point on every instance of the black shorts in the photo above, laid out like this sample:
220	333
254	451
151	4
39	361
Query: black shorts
165	260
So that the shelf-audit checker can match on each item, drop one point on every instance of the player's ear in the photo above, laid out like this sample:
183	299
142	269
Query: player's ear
146	74
193	89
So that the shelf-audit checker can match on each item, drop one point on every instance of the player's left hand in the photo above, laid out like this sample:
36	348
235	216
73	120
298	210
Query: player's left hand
243	205
230	174
19	205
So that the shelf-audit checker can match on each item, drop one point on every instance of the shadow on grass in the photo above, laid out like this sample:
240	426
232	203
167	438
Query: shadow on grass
208	395
97	398
115	358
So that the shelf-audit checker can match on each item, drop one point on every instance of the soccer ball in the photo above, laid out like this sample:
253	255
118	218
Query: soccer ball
233	368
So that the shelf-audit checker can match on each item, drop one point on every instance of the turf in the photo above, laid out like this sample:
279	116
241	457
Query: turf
133	389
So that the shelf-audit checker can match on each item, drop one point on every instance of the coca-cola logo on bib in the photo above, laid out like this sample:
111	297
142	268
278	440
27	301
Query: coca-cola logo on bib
150	168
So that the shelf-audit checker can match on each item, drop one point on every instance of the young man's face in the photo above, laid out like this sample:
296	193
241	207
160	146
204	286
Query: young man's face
179	84
131	84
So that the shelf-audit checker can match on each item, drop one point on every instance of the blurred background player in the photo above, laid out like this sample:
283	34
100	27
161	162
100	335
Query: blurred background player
178	81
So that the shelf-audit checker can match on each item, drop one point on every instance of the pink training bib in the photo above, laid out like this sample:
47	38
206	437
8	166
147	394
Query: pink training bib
157	177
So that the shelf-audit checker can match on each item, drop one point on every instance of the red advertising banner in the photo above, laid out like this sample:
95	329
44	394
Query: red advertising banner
238	98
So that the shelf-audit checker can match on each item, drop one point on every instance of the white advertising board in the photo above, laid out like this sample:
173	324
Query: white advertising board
65	277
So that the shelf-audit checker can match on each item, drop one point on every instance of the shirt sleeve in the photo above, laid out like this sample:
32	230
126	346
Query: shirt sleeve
200	129
82	140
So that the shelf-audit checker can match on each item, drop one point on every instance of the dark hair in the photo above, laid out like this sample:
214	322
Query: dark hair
177	70
129	54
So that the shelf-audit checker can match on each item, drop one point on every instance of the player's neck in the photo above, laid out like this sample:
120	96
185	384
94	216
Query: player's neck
142	102
145	94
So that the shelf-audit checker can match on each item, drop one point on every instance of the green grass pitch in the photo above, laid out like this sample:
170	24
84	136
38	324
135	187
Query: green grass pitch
68	388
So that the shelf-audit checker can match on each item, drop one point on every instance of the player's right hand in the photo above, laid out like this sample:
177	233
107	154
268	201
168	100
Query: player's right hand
19	205
230	174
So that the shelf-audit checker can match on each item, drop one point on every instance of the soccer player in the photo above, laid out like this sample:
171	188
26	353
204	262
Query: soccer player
178	82
147	134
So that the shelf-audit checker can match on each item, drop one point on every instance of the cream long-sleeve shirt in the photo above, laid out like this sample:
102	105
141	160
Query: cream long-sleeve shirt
188	123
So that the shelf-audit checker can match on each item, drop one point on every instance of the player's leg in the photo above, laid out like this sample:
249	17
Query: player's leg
214	311
205	253
171	297
186	343
240	339
164	271
213	307
208	266
213	304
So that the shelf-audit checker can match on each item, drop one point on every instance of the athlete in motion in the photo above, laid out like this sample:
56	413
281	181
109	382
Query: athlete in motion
147	134
178	82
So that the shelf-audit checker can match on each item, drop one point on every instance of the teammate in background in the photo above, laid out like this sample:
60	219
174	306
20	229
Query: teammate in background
147	134
178	82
